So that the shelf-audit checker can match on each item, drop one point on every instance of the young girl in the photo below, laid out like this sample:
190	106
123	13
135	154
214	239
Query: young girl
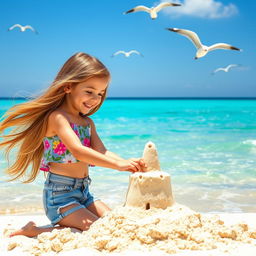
54	134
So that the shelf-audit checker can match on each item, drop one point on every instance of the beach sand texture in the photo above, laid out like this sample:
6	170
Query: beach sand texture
177	230
170	229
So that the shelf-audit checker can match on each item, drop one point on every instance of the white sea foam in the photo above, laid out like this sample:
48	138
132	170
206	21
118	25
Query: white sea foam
250	142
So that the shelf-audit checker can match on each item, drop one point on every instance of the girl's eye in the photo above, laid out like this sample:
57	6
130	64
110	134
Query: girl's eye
88	92
100	94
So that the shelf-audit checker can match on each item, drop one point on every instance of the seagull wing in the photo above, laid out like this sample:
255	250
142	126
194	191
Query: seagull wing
30	27
223	46
231	66
192	36
165	4
139	8
134	51
118	52
15	26
218	69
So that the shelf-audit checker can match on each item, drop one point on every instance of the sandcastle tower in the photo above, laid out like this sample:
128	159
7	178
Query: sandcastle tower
151	188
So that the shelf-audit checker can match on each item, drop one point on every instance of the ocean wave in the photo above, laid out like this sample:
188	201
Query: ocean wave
124	137
249	142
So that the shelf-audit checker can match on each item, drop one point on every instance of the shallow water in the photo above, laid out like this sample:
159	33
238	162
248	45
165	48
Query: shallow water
207	146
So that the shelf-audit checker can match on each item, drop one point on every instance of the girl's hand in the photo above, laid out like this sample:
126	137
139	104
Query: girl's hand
131	165
142	164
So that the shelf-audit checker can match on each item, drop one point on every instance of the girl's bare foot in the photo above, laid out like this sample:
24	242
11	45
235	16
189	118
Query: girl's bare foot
29	230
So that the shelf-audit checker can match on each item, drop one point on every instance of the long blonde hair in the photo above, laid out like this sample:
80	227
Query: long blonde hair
29	119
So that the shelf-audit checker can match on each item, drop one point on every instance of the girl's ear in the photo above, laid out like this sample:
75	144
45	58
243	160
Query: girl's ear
67	88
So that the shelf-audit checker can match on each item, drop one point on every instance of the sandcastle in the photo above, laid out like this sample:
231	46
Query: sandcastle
151	188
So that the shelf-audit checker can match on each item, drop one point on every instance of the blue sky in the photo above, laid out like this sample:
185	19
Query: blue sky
29	62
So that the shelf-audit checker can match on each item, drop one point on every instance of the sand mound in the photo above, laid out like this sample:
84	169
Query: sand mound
172	230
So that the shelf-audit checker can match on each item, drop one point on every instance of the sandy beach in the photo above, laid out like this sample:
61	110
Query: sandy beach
176	230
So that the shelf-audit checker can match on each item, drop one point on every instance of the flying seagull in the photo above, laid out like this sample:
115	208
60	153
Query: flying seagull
226	69
153	10
127	54
22	28
202	50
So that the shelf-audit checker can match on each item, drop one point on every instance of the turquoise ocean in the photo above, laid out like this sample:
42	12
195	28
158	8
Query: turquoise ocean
208	146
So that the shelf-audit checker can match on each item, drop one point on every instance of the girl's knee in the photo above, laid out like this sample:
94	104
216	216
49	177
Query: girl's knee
79	218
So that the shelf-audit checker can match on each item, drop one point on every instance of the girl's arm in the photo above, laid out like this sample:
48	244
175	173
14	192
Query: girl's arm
113	155
62	128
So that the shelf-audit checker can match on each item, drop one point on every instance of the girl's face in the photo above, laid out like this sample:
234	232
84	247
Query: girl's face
85	96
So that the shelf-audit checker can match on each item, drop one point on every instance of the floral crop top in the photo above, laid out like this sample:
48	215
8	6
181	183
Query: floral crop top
55	151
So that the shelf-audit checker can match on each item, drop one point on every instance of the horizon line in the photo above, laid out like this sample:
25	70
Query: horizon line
150	98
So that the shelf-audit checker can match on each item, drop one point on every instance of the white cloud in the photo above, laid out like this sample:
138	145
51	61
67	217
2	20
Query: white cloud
211	9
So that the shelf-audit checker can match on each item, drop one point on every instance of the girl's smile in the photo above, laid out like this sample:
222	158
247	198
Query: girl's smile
87	106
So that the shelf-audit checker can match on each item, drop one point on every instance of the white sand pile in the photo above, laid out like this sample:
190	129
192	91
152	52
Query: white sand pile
172	230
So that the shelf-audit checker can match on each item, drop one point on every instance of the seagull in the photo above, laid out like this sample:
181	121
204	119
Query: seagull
153	10
202	50
226	69
127	54
22	28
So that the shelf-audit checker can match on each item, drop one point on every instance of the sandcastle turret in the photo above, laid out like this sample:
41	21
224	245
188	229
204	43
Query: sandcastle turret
150	157
151	188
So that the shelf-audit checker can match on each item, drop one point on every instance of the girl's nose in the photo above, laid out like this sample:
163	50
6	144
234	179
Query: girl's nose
95	98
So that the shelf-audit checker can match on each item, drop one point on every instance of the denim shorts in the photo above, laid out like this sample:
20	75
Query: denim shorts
61	191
